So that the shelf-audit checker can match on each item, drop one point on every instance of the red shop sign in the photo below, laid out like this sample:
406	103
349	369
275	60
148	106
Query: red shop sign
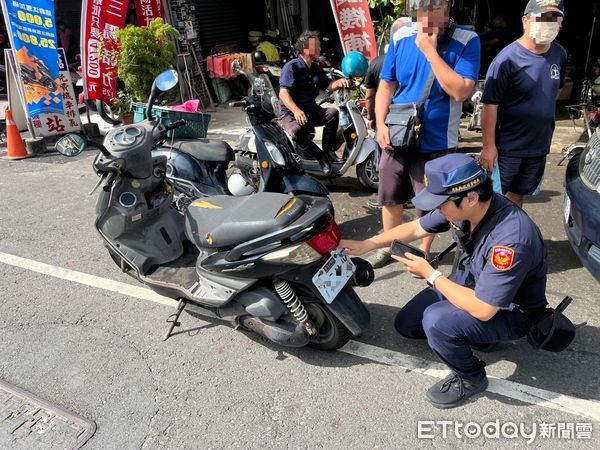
355	26
148	10
100	19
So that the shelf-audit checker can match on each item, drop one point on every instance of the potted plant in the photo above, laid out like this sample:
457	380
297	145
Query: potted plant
143	53
123	106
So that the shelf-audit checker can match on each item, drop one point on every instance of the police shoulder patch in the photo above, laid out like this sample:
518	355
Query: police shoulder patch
502	257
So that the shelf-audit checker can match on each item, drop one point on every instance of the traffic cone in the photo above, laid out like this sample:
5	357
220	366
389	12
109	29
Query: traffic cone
15	145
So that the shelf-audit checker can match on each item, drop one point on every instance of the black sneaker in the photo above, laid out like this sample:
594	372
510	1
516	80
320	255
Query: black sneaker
454	391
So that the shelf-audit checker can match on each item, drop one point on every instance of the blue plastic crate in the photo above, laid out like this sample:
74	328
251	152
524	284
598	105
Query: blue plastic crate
196	124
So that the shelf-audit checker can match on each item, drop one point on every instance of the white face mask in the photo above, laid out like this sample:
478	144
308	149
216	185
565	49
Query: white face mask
543	33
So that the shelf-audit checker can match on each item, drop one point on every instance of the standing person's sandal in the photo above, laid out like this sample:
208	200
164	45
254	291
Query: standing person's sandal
380	259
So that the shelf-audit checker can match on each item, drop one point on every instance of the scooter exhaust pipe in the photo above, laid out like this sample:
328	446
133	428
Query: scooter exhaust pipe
288	334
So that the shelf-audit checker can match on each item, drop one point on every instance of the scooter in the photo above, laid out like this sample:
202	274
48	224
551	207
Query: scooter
267	263
359	148
264	157
474	108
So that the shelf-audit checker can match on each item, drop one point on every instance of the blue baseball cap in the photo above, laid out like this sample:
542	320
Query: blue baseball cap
535	7
448	176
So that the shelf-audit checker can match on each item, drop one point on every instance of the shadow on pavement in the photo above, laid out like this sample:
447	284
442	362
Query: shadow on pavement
544	197
561	257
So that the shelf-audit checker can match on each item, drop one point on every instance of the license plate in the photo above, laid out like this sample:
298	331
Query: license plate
333	276
567	208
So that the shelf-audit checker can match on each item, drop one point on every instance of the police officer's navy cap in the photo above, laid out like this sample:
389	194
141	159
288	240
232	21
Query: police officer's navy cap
448	176
542	6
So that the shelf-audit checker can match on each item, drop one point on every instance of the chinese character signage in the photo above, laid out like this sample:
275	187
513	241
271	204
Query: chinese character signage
148	10
68	120
32	32
100	20
354	24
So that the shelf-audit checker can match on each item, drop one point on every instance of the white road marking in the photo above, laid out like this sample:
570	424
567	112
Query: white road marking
588	409
84	278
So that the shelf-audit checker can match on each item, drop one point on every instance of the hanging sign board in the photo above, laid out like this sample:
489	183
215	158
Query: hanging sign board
148	10
100	19
354	24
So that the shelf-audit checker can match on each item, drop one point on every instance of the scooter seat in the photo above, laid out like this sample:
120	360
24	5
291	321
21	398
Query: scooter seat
222	221
205	149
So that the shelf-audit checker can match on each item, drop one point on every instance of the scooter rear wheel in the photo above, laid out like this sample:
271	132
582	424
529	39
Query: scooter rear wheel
331	333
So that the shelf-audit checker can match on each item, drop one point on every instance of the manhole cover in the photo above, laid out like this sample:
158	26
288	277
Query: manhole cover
27	421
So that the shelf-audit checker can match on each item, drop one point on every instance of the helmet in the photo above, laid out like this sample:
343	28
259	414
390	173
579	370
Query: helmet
239	186
260	57
355	65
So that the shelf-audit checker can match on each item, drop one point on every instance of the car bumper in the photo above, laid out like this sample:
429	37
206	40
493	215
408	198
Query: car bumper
582	219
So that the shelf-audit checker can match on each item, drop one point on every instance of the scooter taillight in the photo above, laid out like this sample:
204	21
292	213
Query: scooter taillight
327	240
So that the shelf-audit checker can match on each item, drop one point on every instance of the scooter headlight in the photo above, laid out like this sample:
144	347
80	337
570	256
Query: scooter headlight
275	153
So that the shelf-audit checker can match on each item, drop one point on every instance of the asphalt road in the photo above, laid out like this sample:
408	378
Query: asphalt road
97	350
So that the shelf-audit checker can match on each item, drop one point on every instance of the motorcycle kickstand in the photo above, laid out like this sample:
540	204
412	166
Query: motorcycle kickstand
173	319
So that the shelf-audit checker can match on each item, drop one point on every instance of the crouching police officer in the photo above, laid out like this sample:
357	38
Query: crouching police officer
499	284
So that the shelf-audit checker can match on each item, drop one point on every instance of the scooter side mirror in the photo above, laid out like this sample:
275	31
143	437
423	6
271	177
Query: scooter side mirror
164	82
71	145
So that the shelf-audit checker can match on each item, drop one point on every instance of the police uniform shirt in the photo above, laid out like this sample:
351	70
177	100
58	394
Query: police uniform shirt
508	264
303	83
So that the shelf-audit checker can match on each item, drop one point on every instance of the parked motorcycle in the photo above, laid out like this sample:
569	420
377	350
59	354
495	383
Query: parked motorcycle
359	148
266	262
265	160
474	107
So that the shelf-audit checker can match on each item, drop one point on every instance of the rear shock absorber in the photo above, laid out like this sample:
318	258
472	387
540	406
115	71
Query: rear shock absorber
294	305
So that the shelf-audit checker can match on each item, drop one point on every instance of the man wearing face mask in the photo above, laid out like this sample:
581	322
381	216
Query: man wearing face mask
519	100
433	63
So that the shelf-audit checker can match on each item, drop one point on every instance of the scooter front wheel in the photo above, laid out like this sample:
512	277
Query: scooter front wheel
331	333
367	174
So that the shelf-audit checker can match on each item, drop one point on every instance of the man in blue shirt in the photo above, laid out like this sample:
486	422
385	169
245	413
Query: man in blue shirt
300	81
500	282
432	44
519	101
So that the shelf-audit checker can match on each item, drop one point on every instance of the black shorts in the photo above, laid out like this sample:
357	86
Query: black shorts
521	176
401	175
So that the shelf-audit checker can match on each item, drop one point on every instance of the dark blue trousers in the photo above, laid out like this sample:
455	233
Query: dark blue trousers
450	331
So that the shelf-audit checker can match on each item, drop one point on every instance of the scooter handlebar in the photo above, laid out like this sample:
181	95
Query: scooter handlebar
239	104
176	124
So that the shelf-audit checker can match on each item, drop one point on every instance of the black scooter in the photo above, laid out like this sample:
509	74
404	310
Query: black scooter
266	262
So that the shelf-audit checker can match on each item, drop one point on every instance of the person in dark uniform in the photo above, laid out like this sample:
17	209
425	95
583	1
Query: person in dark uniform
300	81
500	282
